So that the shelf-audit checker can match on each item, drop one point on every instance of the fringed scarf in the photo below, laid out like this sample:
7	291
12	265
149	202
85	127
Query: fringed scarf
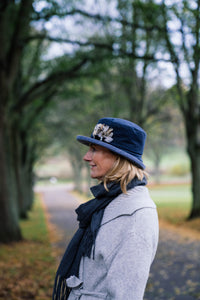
90	215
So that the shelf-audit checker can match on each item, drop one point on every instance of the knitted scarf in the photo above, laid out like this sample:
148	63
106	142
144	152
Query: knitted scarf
90	215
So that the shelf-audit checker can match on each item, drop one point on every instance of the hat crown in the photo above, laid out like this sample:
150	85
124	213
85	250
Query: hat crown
121	133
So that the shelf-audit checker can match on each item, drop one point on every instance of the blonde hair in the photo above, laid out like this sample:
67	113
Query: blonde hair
123	171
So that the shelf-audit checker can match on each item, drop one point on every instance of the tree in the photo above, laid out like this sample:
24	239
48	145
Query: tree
10	55
25	90
184	55
140	39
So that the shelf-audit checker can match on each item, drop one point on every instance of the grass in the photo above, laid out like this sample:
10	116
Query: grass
27	268
174	196
174	204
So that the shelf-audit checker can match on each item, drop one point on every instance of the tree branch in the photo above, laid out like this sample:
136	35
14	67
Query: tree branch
34	59
68	41
175	62
110	47
40	108
16	45
105	19
196	47
42	86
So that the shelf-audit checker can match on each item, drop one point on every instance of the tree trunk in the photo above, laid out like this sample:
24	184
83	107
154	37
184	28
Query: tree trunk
194	154
192	124
77	168
14	25
9	220
27	162
16	152
195	211
23	171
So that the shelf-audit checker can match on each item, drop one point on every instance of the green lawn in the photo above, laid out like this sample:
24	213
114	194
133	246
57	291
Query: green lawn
171	194
173	201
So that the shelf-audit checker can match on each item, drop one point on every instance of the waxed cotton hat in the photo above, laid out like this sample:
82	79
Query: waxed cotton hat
119	136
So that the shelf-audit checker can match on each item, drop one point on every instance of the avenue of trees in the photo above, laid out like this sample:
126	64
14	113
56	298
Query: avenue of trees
111	60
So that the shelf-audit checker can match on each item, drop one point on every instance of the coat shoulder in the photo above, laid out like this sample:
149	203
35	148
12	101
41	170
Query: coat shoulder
127	204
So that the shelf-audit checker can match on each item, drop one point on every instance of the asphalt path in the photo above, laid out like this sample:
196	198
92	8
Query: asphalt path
175	272
60	206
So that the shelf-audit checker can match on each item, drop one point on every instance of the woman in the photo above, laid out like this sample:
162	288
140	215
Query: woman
110	255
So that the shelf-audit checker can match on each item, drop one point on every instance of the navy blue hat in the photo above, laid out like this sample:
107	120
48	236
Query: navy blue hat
120	136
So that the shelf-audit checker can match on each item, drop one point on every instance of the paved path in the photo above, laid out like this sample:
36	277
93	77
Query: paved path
60	205
175	273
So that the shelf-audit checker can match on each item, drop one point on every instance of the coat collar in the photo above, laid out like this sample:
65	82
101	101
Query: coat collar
126	204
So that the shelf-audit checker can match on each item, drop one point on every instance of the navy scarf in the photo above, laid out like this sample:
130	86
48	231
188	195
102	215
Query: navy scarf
90	215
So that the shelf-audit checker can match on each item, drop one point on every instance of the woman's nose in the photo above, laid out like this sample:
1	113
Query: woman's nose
87	156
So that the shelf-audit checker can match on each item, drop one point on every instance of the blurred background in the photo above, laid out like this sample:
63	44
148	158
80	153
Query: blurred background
65	64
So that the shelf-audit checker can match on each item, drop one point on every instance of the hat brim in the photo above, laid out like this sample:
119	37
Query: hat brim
88	140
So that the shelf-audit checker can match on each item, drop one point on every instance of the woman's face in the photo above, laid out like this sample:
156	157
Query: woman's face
100	160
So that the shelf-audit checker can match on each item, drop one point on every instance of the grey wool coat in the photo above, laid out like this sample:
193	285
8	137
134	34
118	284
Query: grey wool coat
124	249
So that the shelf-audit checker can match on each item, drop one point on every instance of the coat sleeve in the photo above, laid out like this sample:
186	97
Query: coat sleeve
129	267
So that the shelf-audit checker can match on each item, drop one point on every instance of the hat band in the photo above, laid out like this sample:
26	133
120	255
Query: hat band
97	137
